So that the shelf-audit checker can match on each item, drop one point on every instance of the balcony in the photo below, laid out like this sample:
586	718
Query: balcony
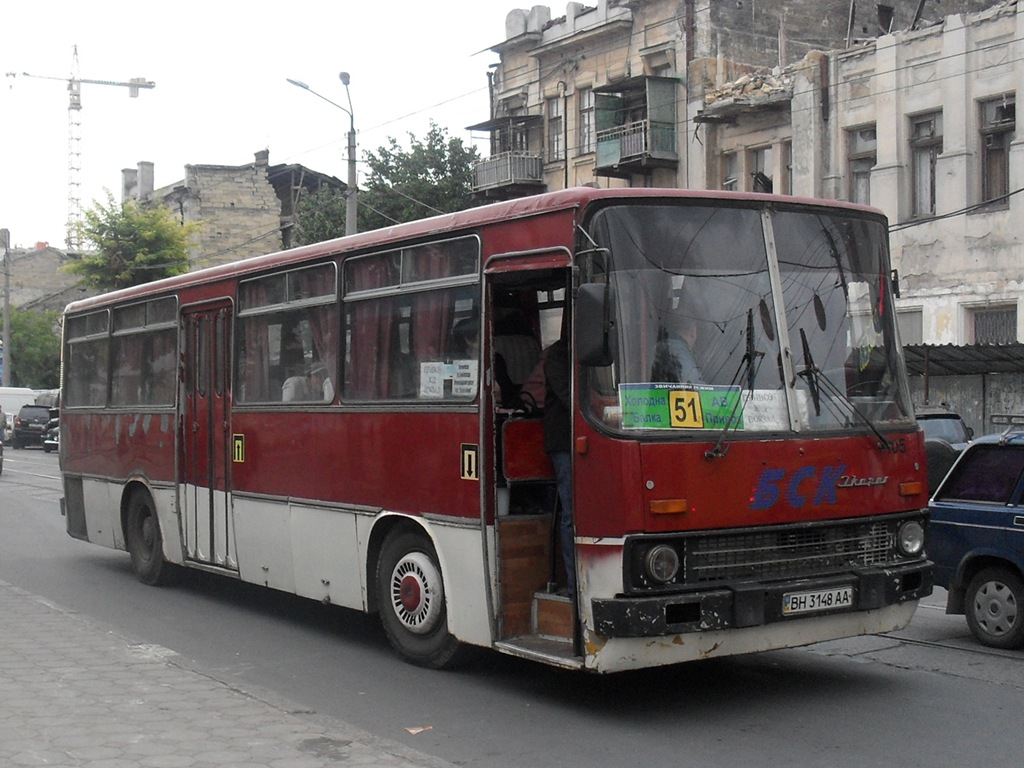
508	174
630	148
636	126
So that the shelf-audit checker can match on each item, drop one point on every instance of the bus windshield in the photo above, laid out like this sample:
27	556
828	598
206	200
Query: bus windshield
745	319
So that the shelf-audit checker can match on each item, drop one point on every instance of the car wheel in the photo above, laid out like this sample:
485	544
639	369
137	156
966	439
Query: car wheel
995	608
145	543
410	593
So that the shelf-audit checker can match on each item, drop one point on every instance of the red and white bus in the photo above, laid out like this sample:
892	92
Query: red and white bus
310	420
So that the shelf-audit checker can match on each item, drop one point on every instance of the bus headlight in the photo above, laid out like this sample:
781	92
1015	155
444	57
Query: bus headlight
910	538
661	563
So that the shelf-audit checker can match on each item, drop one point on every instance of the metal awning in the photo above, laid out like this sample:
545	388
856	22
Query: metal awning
964	360
506	122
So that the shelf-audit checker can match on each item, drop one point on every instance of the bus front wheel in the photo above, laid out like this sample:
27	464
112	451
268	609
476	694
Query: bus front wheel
145	543
410	593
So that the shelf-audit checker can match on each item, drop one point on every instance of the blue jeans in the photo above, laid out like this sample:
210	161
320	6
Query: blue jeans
562	462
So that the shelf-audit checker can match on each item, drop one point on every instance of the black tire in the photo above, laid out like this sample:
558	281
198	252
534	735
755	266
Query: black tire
46	448
145	543
16	443
994	606
410	594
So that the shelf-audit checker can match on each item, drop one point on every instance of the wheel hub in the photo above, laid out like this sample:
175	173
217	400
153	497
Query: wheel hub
417	597
995	608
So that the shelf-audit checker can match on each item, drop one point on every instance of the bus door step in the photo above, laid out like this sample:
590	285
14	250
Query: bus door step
552	616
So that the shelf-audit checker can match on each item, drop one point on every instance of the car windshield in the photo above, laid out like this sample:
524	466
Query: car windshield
746	319
948	428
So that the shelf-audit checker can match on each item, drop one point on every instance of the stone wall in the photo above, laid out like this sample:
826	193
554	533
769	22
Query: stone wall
238	211
39	282
748	31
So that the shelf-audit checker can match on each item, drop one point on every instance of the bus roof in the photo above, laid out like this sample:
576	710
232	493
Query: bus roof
459	221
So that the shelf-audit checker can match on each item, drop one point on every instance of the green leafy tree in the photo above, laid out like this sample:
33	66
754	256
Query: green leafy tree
133	244
35	349
434	175
321	216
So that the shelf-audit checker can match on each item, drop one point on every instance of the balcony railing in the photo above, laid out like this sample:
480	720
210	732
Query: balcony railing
506	169
636	141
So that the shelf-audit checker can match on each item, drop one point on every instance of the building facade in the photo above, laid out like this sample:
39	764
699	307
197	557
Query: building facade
908	107
242	211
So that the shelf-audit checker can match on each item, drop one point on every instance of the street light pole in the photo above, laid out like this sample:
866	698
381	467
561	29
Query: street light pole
350	203
350	200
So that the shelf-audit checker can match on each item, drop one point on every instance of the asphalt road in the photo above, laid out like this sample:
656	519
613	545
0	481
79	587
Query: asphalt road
928	696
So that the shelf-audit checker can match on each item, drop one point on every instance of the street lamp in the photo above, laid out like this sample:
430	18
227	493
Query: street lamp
350	201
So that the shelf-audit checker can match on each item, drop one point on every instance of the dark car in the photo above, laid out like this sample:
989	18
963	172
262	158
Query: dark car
30	425
51	440
945	436
976	538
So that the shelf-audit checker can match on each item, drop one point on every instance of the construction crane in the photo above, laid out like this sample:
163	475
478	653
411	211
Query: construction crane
75	137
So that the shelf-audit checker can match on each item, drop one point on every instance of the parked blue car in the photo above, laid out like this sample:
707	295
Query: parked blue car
976	538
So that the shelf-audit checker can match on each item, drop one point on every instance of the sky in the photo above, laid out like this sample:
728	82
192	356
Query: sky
221	69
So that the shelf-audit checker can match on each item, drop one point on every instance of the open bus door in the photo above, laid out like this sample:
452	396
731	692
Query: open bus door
526	298
206	448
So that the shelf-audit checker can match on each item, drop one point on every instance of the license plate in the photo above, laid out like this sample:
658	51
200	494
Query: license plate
819	600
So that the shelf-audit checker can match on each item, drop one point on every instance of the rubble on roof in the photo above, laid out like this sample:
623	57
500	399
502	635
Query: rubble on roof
752	88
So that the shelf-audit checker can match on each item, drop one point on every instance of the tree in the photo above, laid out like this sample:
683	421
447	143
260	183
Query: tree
35	348
134	244
321	216
435	175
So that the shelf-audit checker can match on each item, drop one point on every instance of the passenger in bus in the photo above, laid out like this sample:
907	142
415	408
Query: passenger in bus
674	361
466	338
558	445
295	389
320	383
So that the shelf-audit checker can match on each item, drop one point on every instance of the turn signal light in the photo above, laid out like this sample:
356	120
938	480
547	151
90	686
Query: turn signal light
669	507
911	488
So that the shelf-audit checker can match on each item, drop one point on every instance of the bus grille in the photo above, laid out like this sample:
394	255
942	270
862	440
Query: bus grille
787	552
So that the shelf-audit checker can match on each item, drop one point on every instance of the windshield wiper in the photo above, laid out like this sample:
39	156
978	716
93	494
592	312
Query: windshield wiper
818	382
749	357
811	373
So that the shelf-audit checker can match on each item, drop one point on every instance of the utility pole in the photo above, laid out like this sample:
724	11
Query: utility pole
5	243
350	192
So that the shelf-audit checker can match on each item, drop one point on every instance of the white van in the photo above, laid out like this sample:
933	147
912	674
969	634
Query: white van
11	400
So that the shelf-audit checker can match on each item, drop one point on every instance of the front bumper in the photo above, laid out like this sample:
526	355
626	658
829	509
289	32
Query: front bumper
754	604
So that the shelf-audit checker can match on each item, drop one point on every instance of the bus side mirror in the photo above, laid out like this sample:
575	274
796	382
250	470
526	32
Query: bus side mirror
593	325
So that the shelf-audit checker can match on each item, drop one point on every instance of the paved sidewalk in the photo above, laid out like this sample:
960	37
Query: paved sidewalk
74	694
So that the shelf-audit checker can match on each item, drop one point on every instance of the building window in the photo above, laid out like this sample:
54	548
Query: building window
998	120
730	171
761	170
994	325
925	148
556	133
585	97
911	325
862	148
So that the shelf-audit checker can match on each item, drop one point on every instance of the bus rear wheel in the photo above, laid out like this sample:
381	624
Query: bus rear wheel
145	543
410	593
